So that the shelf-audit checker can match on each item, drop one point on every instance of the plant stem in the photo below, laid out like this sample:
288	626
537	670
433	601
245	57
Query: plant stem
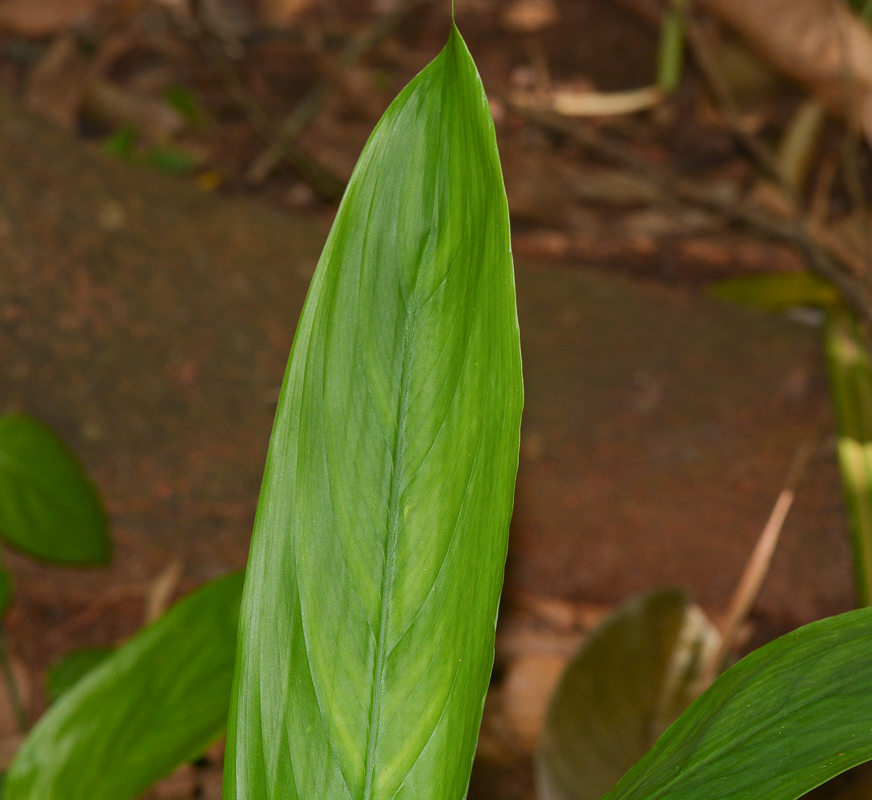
11	685
670	56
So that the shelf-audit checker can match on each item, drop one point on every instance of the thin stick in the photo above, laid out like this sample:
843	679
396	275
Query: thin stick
702	50
304	164
304	112
757	567
823	259
12	686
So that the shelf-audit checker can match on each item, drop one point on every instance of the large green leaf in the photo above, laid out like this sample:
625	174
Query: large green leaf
366	636
631	679
783	720
48	507
157	702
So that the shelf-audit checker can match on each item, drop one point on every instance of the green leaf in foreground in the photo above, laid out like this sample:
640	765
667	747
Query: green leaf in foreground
783	720
157	702
367	628
48	507
633	677
69	670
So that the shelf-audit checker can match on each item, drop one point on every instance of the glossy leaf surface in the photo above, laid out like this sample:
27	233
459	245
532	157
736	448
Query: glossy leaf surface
633	677
48	506
783	720
377	559
157	702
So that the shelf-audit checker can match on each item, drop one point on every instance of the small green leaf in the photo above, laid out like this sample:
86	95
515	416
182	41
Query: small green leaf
782	721
71	668
169	159
157	702
631	679
367	631
122	143
779	291
183	100
48	506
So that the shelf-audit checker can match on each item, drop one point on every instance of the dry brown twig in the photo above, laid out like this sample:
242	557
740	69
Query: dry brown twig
822	259
305	111
302	162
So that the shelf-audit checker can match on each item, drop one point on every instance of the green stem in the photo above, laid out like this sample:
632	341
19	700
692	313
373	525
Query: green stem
850	373
12	686
670	56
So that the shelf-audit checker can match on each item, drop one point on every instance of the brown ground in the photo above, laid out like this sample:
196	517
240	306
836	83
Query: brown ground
148	323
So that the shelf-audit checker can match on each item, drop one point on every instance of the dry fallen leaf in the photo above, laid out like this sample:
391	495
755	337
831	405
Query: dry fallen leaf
818	43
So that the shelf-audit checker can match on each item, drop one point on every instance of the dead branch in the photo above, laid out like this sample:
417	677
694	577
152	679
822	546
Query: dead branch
305	111
821	257
303	163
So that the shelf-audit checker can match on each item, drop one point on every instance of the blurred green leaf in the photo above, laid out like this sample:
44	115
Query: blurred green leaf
183	100
155	703
122	143
632	678
48	506
779	291
71	668
782	721
367	631
169	159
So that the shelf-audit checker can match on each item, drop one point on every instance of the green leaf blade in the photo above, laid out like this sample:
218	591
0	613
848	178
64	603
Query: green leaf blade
782	721
376	565
155	703
48	506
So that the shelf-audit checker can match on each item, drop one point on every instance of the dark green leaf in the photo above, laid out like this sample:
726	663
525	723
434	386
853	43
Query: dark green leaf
48	507
366	639
71	668
631	679
783	720
157	702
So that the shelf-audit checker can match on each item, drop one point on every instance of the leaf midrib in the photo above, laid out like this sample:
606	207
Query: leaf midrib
394	516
